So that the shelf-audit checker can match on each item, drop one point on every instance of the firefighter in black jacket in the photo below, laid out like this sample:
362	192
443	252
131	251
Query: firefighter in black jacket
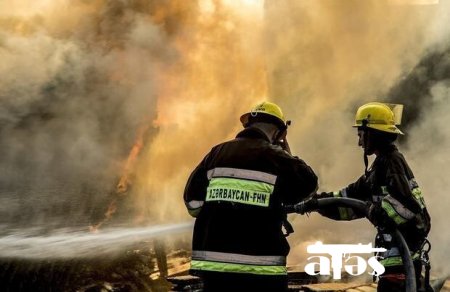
390	185
237	193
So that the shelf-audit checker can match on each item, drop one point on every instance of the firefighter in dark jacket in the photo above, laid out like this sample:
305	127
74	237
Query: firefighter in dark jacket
237	193
390	185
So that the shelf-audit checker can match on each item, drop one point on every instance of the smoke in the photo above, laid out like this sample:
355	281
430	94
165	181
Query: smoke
76	84
428	142
425	92
80	78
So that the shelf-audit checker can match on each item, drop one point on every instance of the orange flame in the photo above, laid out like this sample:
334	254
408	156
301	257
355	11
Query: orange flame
124	181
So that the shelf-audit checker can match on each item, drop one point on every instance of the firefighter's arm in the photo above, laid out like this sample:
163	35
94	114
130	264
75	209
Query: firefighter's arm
335	213
342	213
300	181
195	190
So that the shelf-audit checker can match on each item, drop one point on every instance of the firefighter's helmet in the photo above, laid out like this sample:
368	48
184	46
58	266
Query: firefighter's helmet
379	116
265	111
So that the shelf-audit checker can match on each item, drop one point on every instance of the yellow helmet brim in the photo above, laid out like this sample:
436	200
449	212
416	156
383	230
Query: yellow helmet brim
384	128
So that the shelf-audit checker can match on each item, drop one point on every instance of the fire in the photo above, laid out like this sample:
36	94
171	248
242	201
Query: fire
125	180
193	67
219	75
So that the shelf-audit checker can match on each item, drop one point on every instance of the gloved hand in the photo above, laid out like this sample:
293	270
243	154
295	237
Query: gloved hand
283	143
323	195
378	217
306	206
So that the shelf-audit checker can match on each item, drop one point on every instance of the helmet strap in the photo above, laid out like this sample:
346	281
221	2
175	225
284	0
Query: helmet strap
366	164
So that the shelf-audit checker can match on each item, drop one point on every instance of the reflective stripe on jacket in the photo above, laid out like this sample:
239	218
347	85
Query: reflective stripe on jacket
238	263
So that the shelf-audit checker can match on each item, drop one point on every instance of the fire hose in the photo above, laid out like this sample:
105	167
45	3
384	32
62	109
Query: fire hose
363	207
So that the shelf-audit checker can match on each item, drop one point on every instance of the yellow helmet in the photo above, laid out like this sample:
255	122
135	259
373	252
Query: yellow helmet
379	116
265	109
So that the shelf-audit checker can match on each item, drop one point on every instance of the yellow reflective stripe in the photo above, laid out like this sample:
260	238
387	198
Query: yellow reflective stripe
392	213
399	213
239	191
399	207
344	213
417	193
392	261
397	260
235	258
238	268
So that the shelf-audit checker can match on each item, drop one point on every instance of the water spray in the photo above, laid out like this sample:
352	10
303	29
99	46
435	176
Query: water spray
68	244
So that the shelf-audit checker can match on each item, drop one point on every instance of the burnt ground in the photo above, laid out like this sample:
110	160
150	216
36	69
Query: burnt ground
133	270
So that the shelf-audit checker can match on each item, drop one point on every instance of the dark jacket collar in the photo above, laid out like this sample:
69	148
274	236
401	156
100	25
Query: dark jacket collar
252	133
387	149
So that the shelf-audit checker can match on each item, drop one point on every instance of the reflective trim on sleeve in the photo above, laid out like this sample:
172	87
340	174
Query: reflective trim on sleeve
344	213
237	268
194	207
392	212
417	194
413	184
194	204
401	210
234	258
242	173
239	191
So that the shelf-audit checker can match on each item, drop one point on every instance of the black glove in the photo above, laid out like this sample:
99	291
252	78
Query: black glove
306	206
378	217
323	195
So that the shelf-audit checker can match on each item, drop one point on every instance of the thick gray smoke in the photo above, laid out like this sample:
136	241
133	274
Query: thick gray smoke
418	89
71	100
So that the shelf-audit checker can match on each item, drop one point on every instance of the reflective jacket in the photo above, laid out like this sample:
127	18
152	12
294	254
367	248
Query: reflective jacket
236	193
391	184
